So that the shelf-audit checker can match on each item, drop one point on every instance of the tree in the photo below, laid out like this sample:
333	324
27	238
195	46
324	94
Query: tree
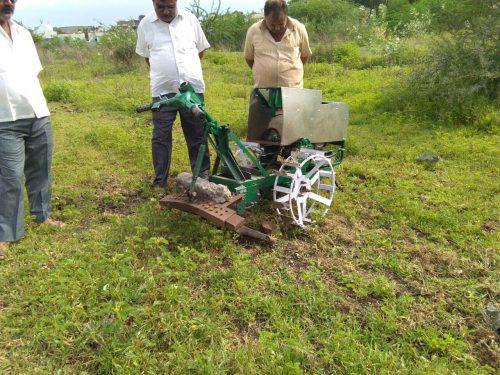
207	17
223	29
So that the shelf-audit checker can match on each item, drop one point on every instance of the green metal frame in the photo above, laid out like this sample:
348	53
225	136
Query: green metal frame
251	183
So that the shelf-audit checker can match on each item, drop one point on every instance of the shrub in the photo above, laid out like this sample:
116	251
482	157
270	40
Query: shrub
37	38
398	15
326	19
458	80
52	43
75	42
347	54
58	92
322	52
118	44
227	31
448	15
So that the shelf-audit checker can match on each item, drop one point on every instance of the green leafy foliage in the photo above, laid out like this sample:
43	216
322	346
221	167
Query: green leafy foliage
326	19
373	4
118	43
458	80
37	38
227	31
450	15
347	54
52	43
58	92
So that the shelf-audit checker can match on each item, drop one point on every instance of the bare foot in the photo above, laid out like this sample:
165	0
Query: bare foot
3	249
54	223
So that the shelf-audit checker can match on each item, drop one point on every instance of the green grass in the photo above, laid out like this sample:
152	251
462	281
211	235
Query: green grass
394	280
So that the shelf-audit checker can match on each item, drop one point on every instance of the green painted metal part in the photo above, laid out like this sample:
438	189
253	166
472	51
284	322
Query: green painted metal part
254	182
219	136
273	100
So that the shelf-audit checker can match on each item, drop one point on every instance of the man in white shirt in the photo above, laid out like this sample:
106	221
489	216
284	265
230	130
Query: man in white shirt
173	42
25	131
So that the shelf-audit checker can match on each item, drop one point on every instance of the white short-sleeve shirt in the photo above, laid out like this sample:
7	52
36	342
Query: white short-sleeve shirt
21	95
172	49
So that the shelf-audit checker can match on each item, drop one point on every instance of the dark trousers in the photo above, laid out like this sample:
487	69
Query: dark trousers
25	150
192	128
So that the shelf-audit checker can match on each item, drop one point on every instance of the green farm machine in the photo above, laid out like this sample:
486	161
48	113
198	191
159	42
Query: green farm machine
294	142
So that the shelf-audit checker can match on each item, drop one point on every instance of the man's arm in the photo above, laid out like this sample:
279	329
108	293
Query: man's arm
141	47
202	43
305	48
249	49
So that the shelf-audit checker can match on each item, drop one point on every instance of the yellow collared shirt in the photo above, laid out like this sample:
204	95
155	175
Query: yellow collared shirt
277	64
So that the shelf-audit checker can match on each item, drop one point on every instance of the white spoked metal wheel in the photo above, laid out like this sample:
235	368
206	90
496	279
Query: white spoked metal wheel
302	196
240	156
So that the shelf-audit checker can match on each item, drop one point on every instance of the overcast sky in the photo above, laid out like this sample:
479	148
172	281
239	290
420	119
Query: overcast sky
91	12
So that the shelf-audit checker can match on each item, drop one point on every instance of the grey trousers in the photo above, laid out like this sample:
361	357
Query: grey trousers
163	122
25	150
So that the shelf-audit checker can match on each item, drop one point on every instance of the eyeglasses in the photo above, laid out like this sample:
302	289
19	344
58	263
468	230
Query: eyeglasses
165	7
12	1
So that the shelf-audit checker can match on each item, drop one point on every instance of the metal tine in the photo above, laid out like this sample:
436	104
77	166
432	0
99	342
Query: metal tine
326	187
282	189
320	199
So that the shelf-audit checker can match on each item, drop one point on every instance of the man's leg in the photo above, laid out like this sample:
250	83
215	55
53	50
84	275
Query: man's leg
11	179
163	122
193	132
37	169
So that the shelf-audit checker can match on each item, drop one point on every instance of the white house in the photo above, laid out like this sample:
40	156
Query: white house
46	31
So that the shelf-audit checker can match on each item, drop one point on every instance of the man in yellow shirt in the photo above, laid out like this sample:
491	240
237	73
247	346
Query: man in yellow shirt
277	48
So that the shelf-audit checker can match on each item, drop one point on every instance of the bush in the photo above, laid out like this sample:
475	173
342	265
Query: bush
398	15
58	92
449	15
322	52
51	44
118	44
326	19
347	54
458	81
227	31
37	38
75	42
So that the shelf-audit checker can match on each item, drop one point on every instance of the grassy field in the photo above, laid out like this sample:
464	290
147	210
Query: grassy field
394	280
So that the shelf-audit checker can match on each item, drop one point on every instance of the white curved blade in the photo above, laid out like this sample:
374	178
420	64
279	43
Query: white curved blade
314	178
283	199
314	170
300	215
329	188
282	189
319	198
328	174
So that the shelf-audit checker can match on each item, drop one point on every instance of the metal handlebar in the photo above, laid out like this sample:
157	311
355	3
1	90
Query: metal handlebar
198	113
144	108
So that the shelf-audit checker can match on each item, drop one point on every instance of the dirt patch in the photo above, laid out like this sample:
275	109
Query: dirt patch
490	225
114	199
488	350
66	107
